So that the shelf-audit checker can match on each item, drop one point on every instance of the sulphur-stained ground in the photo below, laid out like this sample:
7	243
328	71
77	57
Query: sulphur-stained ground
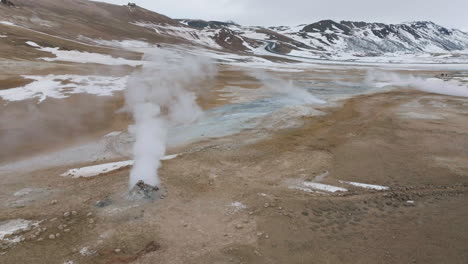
270	196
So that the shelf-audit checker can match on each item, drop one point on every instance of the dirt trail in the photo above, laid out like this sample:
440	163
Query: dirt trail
232	202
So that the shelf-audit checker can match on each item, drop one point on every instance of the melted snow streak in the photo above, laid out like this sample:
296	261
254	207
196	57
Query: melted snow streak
33	44
96	170
303	189
125	44
7	23
366	186
324	187
237	206
9	228
62	86
84	57
87	57
201	37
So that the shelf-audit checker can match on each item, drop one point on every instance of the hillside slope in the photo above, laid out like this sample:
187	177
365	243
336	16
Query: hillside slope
74	19
109	25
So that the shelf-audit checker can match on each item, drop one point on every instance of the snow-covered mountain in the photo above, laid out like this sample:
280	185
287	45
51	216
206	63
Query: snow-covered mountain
333	40
369	38
106	24
328	37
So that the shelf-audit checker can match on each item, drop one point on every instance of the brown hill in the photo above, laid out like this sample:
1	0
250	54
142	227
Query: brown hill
75	18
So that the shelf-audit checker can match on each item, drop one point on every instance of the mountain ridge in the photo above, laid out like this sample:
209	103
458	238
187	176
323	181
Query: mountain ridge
97	22
330	38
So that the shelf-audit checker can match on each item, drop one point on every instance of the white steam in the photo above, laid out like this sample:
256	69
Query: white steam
430	85
162	93
285	87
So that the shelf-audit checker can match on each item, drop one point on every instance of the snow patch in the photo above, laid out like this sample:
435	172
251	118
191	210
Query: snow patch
87	57
62	86
83	57
366	186
169	157
238	206
33	44
114	134
91	171
86	252
126	44
96	170
201	37
255	35
235	207
324	187
12	227
303	189
7	23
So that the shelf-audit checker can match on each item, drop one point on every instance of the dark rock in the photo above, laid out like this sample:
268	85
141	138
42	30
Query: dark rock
104	203
144	191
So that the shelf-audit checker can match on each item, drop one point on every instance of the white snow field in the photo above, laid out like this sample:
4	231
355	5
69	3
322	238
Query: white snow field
62	86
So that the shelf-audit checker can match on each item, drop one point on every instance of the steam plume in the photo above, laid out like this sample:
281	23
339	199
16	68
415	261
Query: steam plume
162	93
430	85
285	87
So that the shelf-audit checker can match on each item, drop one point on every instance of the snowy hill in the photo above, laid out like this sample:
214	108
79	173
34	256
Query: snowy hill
111	25
366	38
329	39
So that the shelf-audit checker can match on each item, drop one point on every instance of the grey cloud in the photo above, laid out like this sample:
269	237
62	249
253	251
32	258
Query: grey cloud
451	13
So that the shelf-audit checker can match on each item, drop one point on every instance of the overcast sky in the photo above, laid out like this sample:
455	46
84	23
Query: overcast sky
450	13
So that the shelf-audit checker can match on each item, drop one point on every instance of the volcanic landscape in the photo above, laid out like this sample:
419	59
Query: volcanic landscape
332	142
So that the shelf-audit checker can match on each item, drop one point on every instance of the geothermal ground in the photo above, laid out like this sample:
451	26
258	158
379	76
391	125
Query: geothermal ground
292	162
263	195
